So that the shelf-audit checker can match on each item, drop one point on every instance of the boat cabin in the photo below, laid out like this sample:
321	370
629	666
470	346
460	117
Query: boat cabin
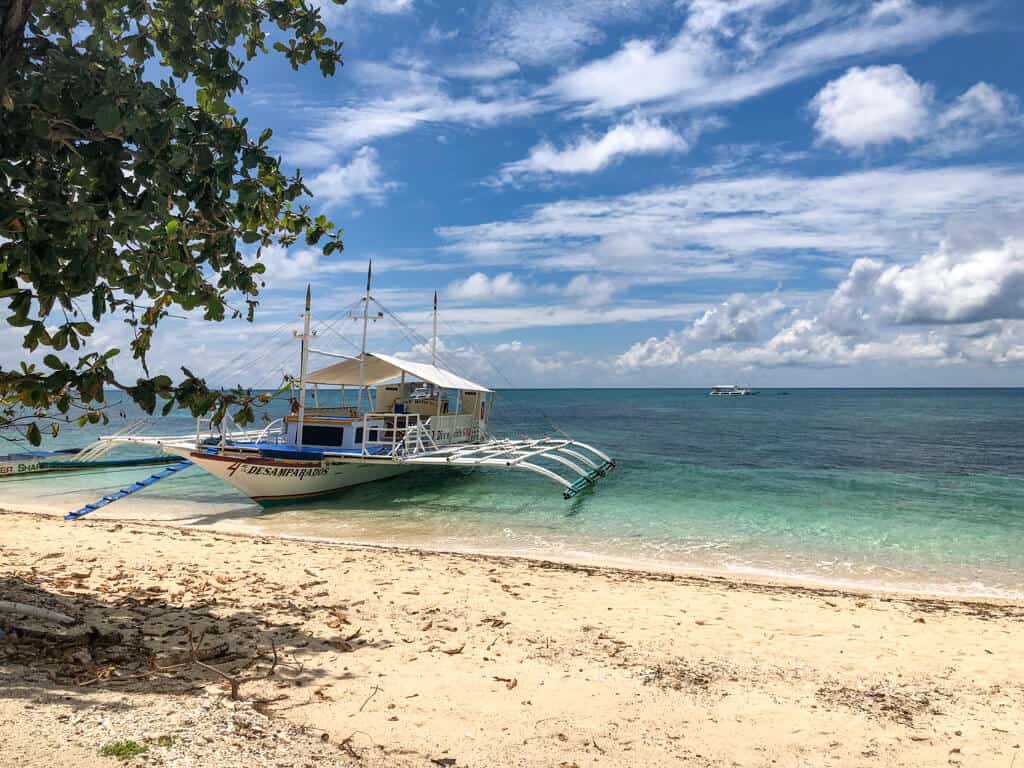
394	399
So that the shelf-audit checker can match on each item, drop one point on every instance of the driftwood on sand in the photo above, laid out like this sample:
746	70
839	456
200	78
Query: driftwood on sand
23	609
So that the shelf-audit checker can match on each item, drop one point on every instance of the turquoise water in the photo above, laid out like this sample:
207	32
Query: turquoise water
919	489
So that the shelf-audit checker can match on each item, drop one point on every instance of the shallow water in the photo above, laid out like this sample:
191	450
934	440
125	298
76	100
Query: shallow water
916	489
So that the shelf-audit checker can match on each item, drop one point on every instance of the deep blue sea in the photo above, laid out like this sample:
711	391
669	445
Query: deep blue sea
915	489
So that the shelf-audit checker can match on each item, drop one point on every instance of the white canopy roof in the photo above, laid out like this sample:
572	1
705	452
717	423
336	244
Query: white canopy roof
384	367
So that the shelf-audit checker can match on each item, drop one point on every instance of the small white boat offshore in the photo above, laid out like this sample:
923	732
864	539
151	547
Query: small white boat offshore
407	415
730	390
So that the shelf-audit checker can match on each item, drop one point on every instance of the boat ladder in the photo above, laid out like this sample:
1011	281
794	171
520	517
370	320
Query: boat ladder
129	490
587	464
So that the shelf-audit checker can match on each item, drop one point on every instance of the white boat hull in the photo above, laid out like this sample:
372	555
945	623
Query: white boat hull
268	480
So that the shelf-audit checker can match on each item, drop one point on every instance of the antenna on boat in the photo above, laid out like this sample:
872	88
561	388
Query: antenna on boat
303	365
433	344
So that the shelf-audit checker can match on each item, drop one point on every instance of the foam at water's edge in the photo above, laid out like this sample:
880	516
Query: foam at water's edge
583	557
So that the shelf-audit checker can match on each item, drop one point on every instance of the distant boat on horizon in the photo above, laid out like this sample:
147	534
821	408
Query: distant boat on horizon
731	390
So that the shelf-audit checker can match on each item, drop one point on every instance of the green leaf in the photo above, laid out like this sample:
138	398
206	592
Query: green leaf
121	192
108	118
32	434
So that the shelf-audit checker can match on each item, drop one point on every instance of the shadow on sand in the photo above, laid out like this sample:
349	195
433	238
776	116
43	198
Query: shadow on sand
142	642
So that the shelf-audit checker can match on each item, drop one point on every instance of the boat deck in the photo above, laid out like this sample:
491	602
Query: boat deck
285	451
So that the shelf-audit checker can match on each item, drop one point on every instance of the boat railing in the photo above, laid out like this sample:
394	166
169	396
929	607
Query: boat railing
225	431
262	437
400	434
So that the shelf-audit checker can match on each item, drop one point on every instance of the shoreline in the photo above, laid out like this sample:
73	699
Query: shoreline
588	564
742	577
368	655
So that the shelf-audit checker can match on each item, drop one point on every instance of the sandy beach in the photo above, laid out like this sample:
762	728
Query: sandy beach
352	655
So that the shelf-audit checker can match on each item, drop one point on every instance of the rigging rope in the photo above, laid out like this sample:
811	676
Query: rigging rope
417	338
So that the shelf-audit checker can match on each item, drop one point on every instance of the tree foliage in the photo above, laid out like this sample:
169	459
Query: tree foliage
120	196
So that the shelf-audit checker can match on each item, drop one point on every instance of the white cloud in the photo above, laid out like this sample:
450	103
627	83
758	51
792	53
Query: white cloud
941	287
652	353
980	103
590	290
872	106
389	6
507	363
435	34
480	287
480	320
484	69
948	307
362	177
409	98
750	227
331	12
879	105
537	32
638	136
284	267
739	318
981	115
638	73
729	52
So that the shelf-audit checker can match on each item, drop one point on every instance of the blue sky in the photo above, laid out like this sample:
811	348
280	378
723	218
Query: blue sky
664	192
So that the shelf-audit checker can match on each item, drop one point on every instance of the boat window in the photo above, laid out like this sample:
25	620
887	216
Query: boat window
330	436
373	436
359	435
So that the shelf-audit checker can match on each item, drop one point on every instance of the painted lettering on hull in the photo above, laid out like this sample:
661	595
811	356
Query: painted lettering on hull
295	473
17	469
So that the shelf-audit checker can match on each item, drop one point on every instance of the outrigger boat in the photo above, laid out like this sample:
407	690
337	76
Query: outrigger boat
72	460
408	415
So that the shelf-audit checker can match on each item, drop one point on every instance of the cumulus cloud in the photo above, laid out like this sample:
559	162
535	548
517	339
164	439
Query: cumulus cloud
480	287
983	114
948	307
590	154
362	177
940	288
870	106
739	318
874	106
652	353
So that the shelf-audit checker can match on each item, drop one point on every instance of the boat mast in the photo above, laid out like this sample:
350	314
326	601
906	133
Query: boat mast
366	323
433	359
433	344
303	364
